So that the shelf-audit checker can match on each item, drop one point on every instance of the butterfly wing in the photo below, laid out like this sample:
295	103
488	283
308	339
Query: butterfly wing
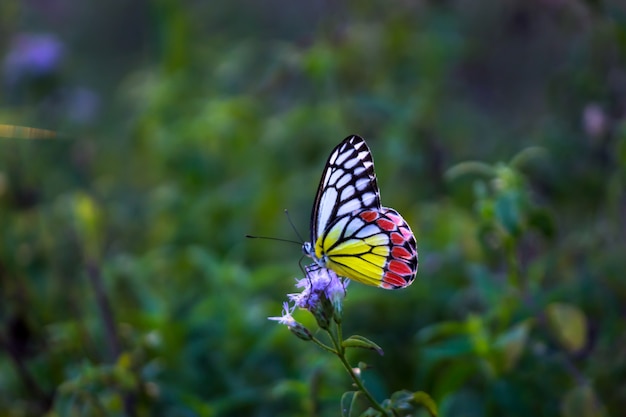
348	185
375	247
351	233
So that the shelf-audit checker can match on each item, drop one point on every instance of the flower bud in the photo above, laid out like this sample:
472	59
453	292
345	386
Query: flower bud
301	332
296	328
322	310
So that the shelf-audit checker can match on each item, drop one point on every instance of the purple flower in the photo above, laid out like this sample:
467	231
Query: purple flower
317	283
296	328
323	293
286	318
33	55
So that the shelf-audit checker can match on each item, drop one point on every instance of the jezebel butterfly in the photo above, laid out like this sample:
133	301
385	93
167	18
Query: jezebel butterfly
351	233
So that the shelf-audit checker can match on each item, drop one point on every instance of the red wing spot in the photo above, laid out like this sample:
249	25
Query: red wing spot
397	238
394	280
395	218
369	216
386	224
406	232
400	252
400	267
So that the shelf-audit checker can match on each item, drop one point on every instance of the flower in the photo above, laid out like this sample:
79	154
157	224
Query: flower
286	317
296	328
322	295
33	55
595	120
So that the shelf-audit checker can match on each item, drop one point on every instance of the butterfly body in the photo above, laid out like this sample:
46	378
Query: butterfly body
351	233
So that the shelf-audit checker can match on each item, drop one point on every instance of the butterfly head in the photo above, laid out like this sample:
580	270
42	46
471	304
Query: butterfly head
309	250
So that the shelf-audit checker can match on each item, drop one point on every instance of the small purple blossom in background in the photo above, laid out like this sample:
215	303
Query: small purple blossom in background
595	121
83	105
32	56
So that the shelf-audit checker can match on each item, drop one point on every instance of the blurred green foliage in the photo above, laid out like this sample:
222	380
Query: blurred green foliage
498	131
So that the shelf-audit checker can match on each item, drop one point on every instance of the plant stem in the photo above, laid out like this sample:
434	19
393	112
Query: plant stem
341	354
324	346
108	320
106	311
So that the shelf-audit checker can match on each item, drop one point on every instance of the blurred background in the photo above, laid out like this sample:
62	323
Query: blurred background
127	287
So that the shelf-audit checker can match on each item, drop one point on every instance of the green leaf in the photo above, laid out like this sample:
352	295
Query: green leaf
486	210
124	378
511	344
370	412
478	333
527	155
405	403
88	222
569	324
400	403
469	168
508	212
347	403
507	178
363	343
426	401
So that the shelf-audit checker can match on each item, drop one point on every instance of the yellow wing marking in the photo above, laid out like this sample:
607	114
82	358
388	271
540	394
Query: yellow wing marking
358	259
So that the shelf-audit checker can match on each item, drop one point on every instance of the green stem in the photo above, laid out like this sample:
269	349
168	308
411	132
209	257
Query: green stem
341	354
324	346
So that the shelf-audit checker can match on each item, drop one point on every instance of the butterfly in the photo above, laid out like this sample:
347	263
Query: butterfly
351	233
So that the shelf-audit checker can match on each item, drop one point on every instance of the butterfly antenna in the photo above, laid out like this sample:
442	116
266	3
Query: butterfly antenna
273	238
293	226
302	268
